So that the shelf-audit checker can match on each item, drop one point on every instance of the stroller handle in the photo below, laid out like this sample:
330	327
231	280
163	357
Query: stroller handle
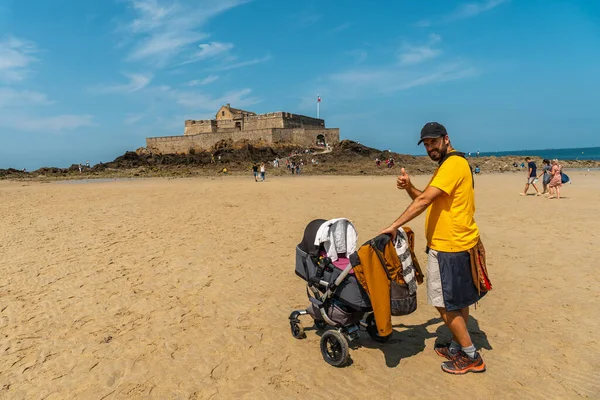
338	281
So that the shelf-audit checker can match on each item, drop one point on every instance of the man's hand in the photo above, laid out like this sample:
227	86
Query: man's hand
403	181
389	231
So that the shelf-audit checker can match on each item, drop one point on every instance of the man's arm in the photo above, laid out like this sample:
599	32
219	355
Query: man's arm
419	204
413	192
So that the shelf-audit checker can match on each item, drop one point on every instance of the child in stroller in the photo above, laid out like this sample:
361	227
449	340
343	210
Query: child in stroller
336	297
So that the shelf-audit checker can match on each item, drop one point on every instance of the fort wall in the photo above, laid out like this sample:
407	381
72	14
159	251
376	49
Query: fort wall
301	121
264	121
233	124
276	120
182	144
204	141
193	127
306	137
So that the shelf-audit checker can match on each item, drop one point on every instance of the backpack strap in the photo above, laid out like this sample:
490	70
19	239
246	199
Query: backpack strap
458	153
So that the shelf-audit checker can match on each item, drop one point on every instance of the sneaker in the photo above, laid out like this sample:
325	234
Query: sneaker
462	364
443	350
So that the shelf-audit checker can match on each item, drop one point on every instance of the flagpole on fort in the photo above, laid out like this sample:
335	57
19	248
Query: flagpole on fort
318	104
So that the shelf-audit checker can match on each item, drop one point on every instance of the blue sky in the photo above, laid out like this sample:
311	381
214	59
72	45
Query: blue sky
88	80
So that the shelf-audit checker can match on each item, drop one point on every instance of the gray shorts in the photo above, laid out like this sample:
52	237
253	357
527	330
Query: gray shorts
531	180
449	281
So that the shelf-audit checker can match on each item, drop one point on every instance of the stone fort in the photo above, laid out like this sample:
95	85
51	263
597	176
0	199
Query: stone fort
232	124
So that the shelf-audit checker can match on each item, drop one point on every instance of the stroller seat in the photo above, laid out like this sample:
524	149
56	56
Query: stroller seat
336	297
341	263
310	250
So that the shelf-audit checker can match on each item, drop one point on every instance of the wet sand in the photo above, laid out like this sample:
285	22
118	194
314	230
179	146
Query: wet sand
182	288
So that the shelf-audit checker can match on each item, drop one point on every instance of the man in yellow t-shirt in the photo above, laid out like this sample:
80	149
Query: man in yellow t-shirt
451	232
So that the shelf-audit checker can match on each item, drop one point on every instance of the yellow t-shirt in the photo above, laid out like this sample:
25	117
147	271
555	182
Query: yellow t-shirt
450	224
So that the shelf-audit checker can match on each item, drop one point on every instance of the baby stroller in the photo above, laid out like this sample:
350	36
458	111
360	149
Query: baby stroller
336	297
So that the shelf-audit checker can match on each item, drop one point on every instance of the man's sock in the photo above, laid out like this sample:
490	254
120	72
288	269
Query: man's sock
470	351
454	347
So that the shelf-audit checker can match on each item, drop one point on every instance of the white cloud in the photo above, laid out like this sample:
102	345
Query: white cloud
19	108
54	124
19	111
131	119
341	27
16	55
360	55
162	31
10	97
203	101
209	50
463	11
451	72
411	70
161	47
424	23
394	78
468	10
415	55
136	82
212	49
418	54
310	19
209	79
205	81
227	67
151	15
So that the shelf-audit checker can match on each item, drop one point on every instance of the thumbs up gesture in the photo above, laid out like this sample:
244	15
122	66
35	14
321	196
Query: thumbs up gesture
403	181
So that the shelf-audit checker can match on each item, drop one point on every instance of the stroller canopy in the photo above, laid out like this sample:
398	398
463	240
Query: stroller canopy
307	244
335	236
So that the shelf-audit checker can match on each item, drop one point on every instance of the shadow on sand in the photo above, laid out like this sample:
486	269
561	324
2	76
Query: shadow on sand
410	340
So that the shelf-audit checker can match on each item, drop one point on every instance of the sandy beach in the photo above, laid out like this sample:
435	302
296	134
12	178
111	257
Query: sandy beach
182	288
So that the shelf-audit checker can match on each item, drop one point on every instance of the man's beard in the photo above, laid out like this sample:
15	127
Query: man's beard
438	154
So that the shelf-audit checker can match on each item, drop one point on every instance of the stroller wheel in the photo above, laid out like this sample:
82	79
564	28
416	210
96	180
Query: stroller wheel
320	324
334	348
297	329
372	330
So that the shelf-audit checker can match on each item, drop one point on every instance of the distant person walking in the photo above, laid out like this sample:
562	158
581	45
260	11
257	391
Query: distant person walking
255	171
531	177
262	172
546	175
556	181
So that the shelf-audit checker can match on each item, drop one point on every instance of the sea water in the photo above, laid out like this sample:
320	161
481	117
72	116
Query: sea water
585	153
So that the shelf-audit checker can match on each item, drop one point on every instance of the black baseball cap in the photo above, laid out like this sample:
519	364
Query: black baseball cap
432	130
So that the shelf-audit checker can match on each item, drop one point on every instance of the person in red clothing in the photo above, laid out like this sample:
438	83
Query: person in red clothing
556	181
